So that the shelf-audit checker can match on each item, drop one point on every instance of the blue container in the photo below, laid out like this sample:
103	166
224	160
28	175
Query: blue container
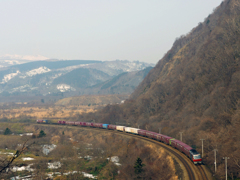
45	121
105	126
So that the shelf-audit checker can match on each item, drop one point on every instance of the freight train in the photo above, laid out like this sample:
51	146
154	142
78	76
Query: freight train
179	145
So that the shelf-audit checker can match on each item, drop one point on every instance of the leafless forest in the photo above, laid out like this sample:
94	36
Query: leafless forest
86	151
194	89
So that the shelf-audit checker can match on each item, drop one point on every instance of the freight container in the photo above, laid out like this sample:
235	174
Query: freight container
166	139
77	123
158	137
131	130
45	121
105	126
89	124
174	143
97	125
162	137
186	149
150	134
142	132
128	129
70	122
170	141
61	122
39	120
134	130
111	126
83	124
121	128
180	146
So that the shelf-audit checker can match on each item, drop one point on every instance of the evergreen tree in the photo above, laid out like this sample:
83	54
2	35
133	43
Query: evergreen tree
138	168
42	134
7	131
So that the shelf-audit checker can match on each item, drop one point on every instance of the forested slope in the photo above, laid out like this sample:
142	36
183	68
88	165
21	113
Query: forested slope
195	88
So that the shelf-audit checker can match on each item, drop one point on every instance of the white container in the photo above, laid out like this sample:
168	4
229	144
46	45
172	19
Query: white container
131	130
120	128
128	129
134	130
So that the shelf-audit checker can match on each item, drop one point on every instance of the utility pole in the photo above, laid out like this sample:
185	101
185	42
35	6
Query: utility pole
138	126
181	135
202	146
226	158
159	130
215	152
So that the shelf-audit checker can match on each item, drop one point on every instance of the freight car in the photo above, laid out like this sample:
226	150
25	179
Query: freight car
113	127
120	128
131	130
45	121
179	145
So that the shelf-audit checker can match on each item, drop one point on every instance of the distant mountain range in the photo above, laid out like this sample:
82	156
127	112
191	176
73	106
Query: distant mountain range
71	77
6	63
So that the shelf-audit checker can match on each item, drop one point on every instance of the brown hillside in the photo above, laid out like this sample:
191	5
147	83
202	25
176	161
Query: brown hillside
195	88
93	100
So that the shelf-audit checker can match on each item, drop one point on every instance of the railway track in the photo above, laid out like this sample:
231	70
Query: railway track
194	172
190	172
202	173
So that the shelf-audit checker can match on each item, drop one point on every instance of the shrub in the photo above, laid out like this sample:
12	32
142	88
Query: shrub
7	131
42	134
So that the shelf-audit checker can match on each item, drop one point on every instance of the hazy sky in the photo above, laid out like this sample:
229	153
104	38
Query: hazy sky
141	30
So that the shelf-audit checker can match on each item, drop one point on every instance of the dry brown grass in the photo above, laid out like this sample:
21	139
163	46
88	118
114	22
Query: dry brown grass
54	112
93	100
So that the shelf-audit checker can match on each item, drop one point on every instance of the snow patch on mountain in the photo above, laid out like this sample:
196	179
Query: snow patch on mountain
24	88
70	68
65	87
40	70
12	62
116	67
34	72
55	76
8	77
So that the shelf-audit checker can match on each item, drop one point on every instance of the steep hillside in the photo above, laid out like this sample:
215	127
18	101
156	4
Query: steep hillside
92	100
195	88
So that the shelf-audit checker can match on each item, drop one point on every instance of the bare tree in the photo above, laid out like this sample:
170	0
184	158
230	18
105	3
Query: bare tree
7	162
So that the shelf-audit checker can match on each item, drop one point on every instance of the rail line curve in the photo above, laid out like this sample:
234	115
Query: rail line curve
193	172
